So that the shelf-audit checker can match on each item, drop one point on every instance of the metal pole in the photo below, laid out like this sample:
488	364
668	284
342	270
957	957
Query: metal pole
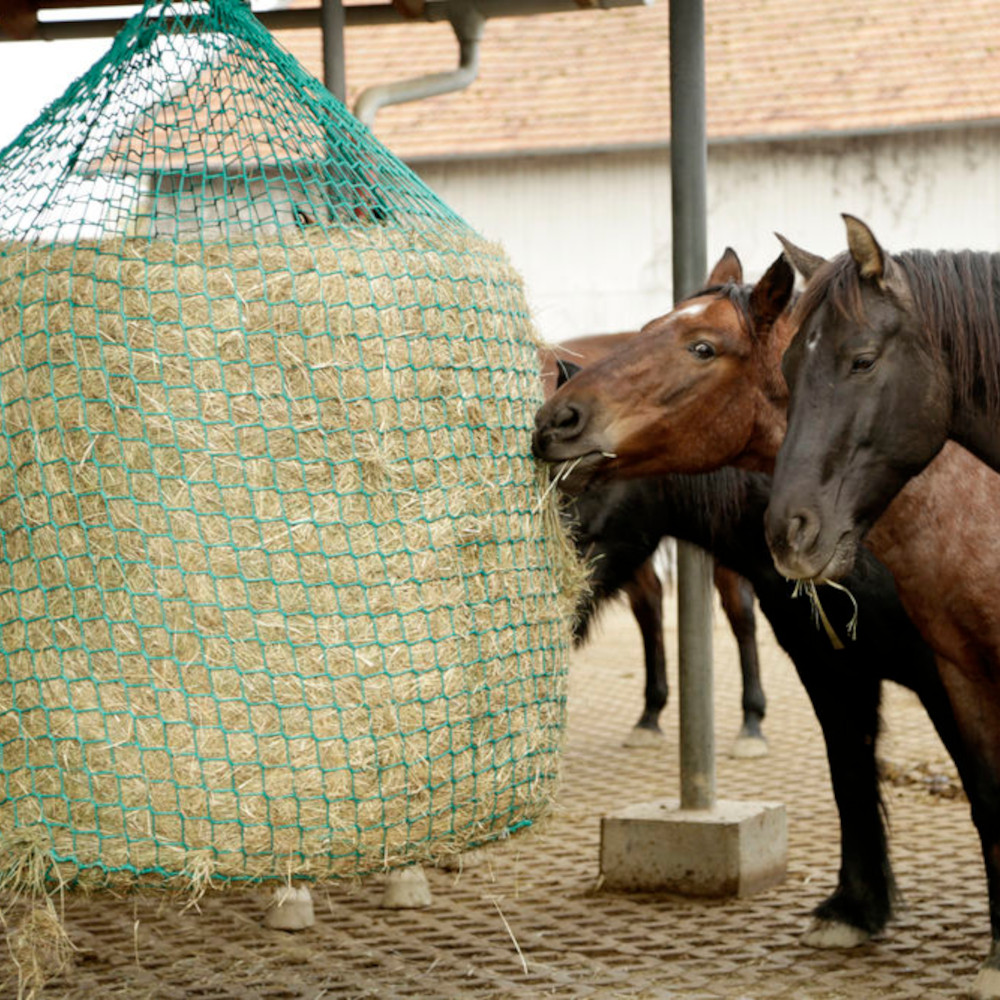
688	167
332	22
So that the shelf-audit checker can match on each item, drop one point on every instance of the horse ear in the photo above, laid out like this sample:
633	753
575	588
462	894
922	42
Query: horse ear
727	268
565	371
806	263
772	293
867	254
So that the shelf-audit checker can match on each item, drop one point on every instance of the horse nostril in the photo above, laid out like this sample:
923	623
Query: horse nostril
567	420
556	426
803	530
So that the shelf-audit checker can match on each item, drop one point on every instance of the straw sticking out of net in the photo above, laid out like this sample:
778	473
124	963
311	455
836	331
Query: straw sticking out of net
282	594
276	595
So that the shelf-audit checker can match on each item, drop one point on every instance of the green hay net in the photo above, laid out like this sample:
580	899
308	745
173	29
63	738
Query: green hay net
281	591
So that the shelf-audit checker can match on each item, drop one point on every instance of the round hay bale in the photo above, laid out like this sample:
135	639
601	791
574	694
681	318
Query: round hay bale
281	590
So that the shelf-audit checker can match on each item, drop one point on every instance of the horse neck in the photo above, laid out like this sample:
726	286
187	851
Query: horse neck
771	412
723	513
976	431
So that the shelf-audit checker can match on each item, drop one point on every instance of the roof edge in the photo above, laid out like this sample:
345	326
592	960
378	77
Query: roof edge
760	138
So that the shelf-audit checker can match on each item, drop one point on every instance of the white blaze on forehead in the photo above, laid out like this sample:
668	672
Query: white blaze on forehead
812	340
695	309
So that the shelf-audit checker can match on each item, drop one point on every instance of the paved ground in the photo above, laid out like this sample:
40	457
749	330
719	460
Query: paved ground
530	922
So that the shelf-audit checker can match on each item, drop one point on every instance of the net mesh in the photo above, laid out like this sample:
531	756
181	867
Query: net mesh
281	593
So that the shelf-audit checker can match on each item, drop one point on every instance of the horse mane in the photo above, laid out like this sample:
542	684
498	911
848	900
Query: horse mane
956	301
628	519
721	496
738	294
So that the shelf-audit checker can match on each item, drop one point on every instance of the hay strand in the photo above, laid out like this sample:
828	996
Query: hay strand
39	949
809	588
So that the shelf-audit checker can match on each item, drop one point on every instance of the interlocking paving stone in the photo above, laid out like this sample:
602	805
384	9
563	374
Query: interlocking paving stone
575	940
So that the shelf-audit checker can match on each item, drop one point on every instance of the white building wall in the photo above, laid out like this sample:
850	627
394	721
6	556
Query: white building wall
591	233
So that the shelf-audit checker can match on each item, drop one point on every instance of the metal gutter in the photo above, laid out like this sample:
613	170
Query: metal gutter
874	131
469	24
355	15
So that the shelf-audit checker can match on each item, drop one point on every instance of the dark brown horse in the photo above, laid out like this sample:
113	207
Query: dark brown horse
893	356
723	512
642	585
944	555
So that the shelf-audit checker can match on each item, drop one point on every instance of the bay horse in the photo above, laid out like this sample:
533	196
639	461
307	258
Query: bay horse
642	586
893	356
727	342
708	364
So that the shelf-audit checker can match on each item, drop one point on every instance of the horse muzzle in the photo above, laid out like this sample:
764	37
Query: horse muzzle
805	548
557	429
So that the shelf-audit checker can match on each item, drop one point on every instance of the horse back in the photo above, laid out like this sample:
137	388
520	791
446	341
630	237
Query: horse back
582	351
940	538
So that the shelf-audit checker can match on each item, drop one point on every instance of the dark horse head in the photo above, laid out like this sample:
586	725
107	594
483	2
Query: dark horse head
887	349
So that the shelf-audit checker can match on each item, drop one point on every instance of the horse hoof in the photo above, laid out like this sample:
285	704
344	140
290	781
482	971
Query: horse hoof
834	934
745	747
987	985
642	737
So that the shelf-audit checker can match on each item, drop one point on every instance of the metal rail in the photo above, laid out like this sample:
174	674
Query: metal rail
55	28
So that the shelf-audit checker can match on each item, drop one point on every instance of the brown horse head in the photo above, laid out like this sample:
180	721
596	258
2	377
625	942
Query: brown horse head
696	389
868	408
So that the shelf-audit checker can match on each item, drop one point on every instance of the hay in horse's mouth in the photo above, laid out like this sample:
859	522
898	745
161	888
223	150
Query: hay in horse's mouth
573	475
808	587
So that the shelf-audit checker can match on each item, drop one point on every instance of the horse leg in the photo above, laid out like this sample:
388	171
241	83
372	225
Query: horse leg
645	594
737	598
847	709
962	708
987	983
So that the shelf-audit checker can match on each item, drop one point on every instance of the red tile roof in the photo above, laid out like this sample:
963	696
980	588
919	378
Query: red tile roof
600	78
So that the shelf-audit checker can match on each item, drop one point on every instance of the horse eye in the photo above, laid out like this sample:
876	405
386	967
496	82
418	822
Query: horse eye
865	363
702	350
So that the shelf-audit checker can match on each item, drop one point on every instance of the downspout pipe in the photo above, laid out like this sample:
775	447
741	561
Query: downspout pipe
468	23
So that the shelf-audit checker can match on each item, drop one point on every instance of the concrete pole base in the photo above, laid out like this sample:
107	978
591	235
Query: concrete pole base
734	849
291	909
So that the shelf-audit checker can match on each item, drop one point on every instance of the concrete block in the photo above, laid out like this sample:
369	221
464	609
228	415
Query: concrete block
291	909
406	889
735	849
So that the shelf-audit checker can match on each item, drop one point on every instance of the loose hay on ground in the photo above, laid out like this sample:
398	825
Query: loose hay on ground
276	594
